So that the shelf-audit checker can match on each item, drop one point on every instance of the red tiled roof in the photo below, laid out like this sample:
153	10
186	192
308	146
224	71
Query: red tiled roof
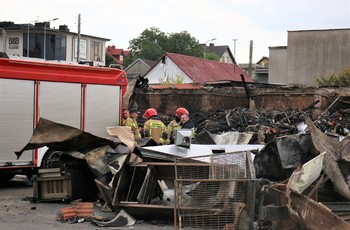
126	52
115	51
203	70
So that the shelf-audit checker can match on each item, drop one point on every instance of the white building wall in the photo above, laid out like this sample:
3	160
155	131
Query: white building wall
12	45
167	70
312	54
278	65
309	55
70	49
226	58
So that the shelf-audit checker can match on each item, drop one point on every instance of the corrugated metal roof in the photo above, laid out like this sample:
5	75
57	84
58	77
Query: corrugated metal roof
178	86
203	70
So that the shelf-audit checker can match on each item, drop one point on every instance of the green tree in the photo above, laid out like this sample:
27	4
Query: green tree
184	43
336	79
153	43
212	56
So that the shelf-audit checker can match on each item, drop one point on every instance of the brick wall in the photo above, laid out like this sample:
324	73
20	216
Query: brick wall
211	99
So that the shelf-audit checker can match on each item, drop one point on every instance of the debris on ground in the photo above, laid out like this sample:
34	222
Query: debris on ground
243	170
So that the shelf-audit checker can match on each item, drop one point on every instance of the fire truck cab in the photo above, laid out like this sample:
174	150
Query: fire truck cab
85	97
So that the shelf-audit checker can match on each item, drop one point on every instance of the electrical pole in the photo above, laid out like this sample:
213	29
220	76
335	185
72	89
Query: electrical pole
250	58
78	43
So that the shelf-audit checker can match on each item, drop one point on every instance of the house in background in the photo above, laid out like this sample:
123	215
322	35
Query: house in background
139	68
223	52
43	42
188	69
118	55
260	70
309	54
264	62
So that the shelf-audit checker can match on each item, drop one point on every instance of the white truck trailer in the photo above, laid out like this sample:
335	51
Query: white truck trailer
85	97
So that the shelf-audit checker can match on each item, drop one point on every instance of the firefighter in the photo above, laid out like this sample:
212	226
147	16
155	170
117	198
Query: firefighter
131	121
174	124
126	115
154	127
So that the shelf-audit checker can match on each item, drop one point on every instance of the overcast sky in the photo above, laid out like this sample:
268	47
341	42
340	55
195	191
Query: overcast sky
266	22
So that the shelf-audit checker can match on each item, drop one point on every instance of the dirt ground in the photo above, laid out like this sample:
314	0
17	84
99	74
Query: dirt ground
16	212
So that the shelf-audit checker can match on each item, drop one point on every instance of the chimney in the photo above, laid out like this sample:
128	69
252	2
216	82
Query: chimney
211	44
63	28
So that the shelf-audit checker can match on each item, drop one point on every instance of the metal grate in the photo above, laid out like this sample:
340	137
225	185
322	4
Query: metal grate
54	186
214	192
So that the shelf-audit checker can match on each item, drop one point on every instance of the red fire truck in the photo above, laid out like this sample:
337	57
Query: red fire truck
85	97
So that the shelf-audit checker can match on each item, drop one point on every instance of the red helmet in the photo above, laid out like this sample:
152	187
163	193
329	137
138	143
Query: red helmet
150	112
181	111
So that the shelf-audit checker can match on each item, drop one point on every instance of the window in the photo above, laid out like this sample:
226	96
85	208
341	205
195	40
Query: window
55	46
96	51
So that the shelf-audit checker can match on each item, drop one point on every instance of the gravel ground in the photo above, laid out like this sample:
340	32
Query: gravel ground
16	212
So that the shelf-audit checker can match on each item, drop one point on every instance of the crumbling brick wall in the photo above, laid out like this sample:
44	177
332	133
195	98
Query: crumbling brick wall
212	99
166	101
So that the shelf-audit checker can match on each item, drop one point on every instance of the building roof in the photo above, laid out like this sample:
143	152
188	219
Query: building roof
219	50
38	27
113	51
203	70
149	63
146	62
317	30
116	53
126	52
262	59
178	86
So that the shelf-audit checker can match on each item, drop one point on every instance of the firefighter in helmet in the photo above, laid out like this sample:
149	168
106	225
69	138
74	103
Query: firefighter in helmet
154	127
131	121
175	124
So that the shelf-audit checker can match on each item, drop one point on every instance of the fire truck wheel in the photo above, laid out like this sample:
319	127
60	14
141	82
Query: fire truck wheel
51	159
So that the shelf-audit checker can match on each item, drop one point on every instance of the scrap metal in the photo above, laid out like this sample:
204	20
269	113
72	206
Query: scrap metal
139	177
335	151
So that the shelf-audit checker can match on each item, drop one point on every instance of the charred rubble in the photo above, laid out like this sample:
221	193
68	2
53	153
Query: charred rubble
244	170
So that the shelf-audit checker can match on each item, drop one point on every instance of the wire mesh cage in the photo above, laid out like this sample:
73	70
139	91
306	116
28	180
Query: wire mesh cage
215	192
